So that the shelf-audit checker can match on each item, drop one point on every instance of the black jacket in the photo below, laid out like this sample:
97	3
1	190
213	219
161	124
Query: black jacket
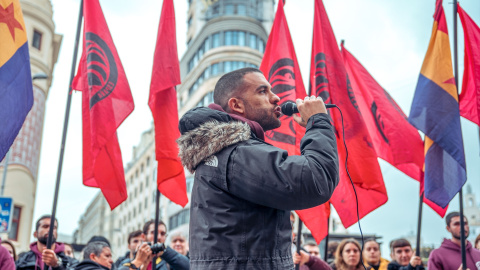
244	189
90	265
394	265
28	261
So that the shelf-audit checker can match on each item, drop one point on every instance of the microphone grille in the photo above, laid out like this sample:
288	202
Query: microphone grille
288	108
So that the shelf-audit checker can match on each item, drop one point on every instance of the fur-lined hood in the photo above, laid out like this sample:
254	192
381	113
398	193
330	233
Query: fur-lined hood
205	134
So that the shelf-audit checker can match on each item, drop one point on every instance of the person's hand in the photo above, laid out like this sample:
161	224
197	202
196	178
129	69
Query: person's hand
143	256
303	258
50	258
415	260
461	267
308	107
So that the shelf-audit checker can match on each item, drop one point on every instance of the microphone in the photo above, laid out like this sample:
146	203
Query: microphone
290	107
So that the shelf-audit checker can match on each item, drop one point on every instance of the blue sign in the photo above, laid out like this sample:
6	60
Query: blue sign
6	212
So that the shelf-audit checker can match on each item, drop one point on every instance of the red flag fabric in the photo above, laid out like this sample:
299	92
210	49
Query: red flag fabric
163	104
395	140
330	81
280	67
470	96
106	102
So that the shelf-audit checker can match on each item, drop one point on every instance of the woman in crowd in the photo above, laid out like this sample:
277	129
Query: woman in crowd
347	256
11	249
372	256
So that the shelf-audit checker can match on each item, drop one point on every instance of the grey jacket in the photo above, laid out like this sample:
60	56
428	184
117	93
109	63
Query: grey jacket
245	188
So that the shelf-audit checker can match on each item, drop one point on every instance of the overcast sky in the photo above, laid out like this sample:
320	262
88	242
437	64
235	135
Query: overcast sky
389	38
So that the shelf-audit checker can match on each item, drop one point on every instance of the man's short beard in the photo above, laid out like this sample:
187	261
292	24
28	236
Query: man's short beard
44	239
458	236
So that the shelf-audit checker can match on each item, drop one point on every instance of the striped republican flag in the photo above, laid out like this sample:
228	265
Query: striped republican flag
16	92
436	113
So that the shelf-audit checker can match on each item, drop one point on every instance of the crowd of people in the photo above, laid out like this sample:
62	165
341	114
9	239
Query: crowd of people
142	249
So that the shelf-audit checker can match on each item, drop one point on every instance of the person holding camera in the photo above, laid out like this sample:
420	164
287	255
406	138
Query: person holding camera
166	257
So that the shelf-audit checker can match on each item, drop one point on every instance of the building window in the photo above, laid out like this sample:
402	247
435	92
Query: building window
215	69
146	203
142	167
146	181
13	234
189	22
37	39
215	40
229	9
253	42
241	10
139	207
136	173
148	161
141	187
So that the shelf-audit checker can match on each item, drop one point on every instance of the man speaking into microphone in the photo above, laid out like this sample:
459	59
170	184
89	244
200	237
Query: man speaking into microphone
245	188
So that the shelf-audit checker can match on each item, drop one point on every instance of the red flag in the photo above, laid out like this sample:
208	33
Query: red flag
470	96
329	80
395	140
280	67
106	102
163	104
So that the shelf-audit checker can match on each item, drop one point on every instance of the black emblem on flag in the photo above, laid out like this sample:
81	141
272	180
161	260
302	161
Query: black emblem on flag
101	68
282	79
378	121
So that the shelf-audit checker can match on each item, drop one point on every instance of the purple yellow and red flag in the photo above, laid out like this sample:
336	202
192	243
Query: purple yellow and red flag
163	104
435	112
470	95
106	102
16	91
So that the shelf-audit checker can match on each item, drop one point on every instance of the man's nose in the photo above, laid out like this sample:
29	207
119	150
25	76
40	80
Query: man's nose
275	98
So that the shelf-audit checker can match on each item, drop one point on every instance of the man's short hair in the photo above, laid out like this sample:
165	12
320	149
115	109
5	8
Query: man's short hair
150	222
95	248
99	238
37	225
134	234
371	240
401	242
229	84
451	215
310	243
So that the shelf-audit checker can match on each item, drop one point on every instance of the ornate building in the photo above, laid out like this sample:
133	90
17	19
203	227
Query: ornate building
22	169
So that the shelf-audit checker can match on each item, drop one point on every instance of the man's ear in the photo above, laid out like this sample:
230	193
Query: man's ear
93	257
236	106
35	234
144	237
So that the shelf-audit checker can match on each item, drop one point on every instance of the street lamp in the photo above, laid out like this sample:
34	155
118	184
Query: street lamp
35	76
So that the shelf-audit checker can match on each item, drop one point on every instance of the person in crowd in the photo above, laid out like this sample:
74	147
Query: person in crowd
96	255
134	240
69	250
403	257
39	254
331	249
167	259
178	241
313	249
309	262
477	242
347	256
449	254
372	255
10	247
6	259
244	187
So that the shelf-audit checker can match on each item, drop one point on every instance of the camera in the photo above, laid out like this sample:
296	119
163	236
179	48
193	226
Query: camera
157	247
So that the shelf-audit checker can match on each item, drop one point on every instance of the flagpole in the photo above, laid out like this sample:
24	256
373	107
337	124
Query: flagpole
460	193
155	232
299	238
65	126
326	238
419	227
